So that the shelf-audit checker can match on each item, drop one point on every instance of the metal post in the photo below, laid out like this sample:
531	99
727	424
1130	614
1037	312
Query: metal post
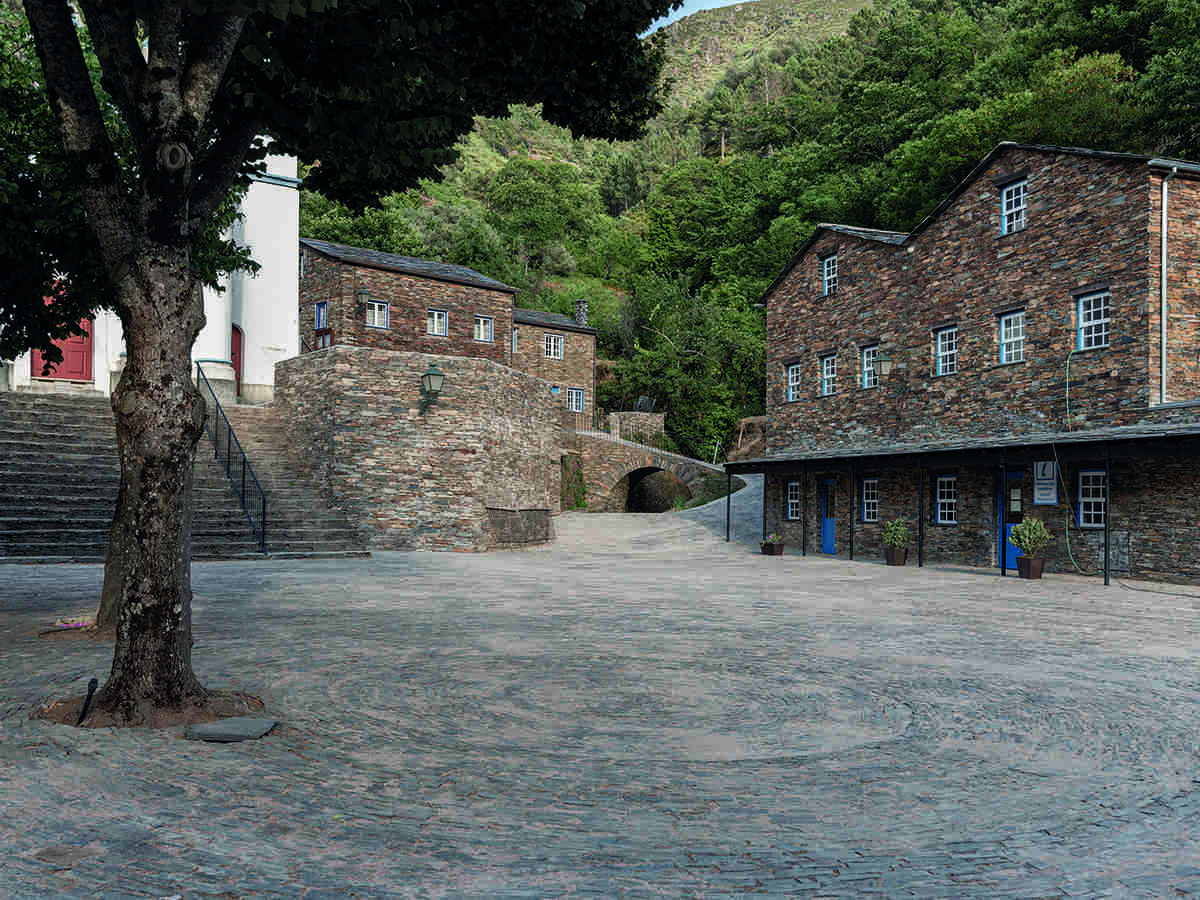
921	517
1107	516
804	512
1003	519
852	511
728	501
243	494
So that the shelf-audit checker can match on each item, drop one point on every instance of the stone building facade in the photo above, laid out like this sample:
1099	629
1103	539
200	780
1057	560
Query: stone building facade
560	350
478	470
1027	350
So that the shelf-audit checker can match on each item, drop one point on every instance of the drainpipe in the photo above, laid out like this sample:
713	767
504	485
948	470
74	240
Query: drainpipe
1162	301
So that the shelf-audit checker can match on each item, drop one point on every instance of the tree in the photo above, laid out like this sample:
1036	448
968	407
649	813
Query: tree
374	91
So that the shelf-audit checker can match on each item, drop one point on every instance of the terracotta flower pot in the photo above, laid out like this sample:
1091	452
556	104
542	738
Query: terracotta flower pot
772	549
895	556
1030	566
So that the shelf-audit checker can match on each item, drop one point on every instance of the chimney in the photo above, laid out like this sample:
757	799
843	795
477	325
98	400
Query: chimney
581	312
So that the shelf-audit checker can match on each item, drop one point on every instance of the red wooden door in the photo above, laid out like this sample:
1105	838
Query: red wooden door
235	356
77	357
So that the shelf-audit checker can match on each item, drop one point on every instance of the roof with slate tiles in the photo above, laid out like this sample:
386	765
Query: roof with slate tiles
549	320
408	265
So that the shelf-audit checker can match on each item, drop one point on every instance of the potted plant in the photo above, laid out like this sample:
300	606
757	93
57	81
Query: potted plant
896	535
1029	536
771	545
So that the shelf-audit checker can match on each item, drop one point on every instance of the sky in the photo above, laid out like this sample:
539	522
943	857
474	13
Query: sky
689	7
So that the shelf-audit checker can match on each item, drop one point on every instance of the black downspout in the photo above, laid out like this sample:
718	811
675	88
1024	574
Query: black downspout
1003	519
804	513
728	500
921	517
852	513
1107	516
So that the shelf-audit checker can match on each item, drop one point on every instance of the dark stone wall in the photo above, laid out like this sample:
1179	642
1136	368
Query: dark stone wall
574	370
480	468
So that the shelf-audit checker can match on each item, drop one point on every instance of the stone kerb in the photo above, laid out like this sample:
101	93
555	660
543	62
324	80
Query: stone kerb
479	469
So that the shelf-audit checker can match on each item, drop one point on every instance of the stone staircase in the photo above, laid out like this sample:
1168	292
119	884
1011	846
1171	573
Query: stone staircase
58	486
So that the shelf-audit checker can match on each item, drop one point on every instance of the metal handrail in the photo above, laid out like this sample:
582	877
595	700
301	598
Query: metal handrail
213	427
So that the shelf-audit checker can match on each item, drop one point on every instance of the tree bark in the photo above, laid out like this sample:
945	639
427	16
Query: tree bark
159	419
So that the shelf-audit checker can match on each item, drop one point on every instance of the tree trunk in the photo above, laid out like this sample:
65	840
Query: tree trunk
159	419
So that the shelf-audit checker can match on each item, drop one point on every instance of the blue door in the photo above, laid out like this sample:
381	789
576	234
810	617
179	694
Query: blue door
828	492
1011	513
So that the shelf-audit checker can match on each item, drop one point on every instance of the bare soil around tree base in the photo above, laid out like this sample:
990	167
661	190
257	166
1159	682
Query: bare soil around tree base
209	708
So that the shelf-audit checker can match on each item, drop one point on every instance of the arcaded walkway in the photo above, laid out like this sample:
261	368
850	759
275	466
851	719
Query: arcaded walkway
641	710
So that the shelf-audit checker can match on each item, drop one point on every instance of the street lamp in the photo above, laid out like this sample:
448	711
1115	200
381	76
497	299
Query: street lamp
431	386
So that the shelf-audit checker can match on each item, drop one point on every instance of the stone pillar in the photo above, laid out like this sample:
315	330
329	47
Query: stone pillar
581	311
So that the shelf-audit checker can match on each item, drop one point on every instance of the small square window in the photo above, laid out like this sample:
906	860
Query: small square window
870	500
829	274
483	328
1012	337
828	375
322	315
554	346
793	500
437	322
794	380
1093	320
947	351
1093	499
575	399
1012	207
870	366
377	314
947	500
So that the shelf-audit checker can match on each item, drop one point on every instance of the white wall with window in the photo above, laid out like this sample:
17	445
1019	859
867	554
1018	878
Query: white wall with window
484	327
1093	498
828	375
554	346
1093	320
946	511
870	499
1012	207
437	321
946	350
870	366
1012	337
794	500
795	379
829	274
575	399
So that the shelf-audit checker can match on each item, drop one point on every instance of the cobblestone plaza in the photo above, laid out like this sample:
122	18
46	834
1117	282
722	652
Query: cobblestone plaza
637	710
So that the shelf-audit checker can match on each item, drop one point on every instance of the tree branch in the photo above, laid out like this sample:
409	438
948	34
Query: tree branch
219	166
208	58
161	92
90	154
114	32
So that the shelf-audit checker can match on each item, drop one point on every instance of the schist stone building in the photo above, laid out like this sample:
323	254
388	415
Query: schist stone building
1032	348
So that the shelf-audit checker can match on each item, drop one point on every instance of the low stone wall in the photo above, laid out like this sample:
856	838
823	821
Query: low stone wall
624	424
480	469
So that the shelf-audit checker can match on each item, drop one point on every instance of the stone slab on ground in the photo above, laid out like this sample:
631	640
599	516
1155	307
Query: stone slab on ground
231	730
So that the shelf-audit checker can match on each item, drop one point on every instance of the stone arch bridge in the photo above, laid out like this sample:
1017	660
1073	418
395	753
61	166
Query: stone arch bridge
612	467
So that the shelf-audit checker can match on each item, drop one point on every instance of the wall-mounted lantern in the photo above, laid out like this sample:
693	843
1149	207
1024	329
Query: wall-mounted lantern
431	386
362	295
884	363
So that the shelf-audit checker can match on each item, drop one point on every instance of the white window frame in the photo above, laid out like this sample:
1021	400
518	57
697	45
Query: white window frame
946	499
575	399
490	324
794	501
1092	498
870	499
435	319
870	366
1094	315
554	346
1012	337
321	315
795	381
373	310
828	374
1012	206
829	274
945	342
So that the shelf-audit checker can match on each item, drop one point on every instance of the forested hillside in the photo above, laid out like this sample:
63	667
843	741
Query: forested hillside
674	237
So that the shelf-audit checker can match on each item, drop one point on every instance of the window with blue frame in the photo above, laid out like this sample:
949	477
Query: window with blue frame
322	315
1012	337
828	375
1012	207
793	499
870	499
794	381
946	349
829	274
1093	320
946	511
1092	502
870	366
377	314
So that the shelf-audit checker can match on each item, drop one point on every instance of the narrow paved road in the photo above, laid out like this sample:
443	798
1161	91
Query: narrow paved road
639	710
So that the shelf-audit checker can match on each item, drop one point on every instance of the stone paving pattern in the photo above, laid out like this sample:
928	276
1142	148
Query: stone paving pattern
639	710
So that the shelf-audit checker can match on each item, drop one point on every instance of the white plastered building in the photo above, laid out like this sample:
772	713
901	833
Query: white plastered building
249	326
